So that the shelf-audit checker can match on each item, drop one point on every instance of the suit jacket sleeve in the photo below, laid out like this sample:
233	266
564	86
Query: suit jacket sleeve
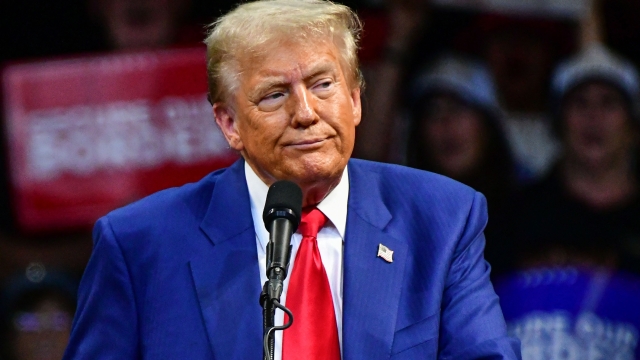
472	324
105	324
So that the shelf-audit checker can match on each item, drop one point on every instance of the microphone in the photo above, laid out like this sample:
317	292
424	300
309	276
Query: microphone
281	217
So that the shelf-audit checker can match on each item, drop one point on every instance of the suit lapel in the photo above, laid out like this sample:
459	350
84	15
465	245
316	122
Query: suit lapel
226	276
372	286
227	279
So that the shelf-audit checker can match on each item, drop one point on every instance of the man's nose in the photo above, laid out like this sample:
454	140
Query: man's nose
303	107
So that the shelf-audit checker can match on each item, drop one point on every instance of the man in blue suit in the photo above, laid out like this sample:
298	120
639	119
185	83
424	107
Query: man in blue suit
178	275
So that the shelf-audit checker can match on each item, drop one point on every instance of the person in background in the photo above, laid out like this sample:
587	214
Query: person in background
144	24
398	40
388	46
455	130
36	310
521	53
575	234
586	210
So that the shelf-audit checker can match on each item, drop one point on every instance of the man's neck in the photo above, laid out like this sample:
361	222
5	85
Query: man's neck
604	186
312	195
313	191
334	205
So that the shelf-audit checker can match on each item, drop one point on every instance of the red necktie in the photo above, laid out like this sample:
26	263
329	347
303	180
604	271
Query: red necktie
314	333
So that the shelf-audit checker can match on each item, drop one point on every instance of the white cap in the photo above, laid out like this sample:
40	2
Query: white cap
596	63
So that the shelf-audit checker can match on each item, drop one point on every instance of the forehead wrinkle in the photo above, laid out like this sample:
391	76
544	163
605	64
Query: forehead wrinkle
268	74
275	78
319	68
268	83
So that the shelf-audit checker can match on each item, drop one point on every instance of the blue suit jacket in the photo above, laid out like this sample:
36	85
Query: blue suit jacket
175	275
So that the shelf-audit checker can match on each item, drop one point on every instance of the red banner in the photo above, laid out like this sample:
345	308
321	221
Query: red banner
89	135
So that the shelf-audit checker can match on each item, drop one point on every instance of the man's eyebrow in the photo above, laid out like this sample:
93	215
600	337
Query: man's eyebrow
267	84
278	81
322	68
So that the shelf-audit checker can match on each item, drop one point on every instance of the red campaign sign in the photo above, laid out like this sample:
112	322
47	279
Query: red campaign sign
88	135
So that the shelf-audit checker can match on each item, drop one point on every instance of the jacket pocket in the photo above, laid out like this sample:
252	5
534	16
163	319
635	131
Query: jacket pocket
419	333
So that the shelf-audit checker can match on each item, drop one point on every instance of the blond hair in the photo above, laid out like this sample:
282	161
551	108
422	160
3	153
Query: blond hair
252	25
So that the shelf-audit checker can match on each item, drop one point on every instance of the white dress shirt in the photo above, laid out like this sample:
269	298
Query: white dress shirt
330	243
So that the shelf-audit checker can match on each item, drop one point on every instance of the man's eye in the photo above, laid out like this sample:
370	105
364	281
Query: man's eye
273	96
323	88
272	101
324	84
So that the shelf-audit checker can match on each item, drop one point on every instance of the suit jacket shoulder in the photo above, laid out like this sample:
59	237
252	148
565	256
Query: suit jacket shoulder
437	286
165	280
167	208
418	198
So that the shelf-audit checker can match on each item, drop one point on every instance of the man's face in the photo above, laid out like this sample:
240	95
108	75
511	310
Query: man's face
142	23
455	135
597	127
294	113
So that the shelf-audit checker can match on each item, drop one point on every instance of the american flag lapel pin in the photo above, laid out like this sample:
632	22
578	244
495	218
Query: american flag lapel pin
385	253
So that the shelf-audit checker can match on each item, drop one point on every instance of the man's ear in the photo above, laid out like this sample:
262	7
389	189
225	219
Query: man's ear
357	105
226	120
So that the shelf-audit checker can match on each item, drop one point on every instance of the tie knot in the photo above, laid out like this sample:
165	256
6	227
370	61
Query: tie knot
312	221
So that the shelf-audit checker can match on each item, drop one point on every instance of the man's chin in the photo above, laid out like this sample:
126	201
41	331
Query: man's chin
315	173
311	176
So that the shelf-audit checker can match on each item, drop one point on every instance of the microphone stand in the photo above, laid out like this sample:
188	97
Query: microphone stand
277	266
281	217
268	321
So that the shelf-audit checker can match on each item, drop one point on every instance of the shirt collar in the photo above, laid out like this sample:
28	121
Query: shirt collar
334	205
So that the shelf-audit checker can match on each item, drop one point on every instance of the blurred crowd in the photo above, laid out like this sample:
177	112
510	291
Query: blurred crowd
539	112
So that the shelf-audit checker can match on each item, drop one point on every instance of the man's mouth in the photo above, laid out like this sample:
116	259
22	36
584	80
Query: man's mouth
307	143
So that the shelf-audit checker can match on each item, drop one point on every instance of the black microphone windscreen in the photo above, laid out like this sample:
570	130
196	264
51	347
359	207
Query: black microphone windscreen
283	194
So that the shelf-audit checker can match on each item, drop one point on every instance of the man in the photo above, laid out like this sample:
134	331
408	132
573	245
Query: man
178	275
